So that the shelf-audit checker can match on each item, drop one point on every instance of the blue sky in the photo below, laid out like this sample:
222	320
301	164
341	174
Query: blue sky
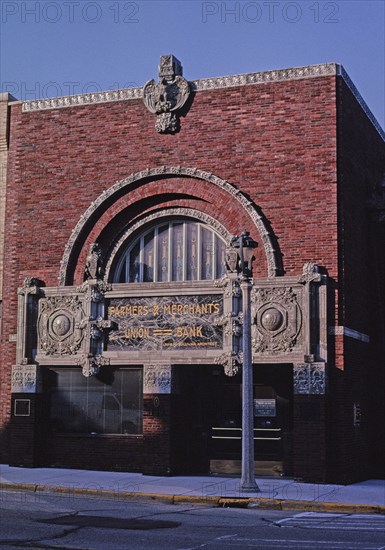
60	47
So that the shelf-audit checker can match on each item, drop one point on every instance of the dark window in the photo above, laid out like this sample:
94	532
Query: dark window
108	403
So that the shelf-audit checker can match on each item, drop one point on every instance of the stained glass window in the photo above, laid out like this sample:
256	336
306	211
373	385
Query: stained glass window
179	250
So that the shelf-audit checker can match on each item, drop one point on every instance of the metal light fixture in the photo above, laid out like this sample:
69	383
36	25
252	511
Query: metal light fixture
245	246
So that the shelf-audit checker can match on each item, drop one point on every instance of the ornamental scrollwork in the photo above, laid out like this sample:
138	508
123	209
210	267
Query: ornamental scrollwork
103	286
231	322
284	295
231	363
93	291
157	379
231	287
309	378
25	379
222	320
98	326
91	365
95	333
281	344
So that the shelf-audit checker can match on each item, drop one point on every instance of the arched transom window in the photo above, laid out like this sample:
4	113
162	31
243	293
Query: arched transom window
179	250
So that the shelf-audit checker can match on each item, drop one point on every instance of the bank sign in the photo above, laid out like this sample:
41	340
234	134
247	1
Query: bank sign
166	323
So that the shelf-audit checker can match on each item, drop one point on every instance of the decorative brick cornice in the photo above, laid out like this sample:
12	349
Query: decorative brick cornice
82	99
296	73
204	84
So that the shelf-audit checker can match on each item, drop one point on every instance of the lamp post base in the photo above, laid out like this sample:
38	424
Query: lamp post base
249	487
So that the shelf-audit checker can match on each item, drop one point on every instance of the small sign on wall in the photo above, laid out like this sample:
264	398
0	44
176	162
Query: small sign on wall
265	407
356	415
22	407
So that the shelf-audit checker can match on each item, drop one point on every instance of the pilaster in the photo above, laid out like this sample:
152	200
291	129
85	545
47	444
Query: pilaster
5	98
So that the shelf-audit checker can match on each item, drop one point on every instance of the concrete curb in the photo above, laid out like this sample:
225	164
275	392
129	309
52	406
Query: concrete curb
212	501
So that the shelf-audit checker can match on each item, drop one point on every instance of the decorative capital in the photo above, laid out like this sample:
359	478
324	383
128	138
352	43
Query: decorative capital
93	290
31	285
168	96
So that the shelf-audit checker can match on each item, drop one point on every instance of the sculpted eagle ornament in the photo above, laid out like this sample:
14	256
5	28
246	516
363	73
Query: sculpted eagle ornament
165	98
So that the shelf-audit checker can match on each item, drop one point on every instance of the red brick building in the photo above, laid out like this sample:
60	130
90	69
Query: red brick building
120	331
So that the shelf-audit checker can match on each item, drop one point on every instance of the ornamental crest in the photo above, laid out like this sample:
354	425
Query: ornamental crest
168	96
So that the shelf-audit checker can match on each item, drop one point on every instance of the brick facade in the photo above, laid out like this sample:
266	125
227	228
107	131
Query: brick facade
303	151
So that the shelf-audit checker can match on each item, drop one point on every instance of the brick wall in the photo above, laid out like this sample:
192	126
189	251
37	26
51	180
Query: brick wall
276	142
361	292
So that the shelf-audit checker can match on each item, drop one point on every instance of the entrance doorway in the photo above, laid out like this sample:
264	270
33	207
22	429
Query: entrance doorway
206	427
272	394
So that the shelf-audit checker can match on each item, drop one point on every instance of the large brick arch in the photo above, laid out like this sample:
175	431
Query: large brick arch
151	189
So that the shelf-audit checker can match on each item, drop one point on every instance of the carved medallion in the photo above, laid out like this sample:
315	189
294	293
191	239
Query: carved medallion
272	319
60	326
278	320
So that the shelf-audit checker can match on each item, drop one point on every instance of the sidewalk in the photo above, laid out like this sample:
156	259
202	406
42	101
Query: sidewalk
275	493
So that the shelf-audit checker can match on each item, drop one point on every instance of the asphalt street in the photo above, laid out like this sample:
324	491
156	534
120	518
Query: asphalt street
36	521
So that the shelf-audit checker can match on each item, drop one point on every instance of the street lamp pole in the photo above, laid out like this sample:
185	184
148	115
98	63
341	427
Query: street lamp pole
245	244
